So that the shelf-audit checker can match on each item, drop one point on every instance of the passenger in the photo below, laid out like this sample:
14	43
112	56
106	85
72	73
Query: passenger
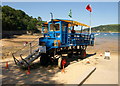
73	32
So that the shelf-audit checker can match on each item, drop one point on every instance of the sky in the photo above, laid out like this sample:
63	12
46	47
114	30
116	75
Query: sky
102	12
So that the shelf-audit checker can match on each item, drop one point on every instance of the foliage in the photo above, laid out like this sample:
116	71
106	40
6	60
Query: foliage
106	28
13	19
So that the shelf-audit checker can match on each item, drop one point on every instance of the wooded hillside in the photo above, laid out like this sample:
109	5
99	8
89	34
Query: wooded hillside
13	19
106	28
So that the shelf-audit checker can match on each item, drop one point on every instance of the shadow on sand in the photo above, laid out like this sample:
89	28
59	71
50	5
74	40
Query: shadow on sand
38	74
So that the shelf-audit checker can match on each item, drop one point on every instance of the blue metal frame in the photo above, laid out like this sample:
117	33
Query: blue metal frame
65	37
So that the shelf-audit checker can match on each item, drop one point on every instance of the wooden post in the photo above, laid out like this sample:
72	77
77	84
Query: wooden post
30	48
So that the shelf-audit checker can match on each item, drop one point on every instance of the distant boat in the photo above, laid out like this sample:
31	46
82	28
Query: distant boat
105	34
97	34
111	33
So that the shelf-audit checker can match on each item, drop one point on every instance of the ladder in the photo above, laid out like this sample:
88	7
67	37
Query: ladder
28	60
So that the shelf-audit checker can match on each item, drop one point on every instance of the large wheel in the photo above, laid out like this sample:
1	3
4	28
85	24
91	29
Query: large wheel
83	54
60	62
44	59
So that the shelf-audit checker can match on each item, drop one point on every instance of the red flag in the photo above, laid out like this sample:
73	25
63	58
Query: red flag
89	8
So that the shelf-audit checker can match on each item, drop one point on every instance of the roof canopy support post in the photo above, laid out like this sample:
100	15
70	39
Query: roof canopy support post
90	31
81	29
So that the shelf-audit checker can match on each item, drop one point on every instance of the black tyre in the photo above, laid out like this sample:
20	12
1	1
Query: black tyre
83	54
60	62
44	59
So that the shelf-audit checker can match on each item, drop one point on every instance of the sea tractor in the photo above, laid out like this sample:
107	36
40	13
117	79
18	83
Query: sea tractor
57	40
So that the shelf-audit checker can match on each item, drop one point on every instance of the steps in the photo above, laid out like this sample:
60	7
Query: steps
30	58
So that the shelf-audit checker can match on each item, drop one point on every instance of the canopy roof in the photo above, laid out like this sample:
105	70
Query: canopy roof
71	22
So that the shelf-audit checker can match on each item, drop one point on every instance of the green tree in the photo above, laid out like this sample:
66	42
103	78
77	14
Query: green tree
39	19
13	19
39	23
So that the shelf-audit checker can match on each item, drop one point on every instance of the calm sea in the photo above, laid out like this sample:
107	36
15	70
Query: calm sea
111	36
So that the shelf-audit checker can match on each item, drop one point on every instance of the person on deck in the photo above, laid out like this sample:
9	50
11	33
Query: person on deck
72	35
73	32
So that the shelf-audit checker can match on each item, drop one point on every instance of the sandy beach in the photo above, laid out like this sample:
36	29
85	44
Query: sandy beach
106	70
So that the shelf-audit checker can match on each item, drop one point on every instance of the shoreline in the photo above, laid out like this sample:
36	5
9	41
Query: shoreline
105	32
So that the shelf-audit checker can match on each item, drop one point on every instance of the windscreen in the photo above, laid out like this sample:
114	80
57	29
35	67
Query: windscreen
54	27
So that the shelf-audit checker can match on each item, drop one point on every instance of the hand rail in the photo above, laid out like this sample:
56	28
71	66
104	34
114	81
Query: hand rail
25	46
15	60
24	59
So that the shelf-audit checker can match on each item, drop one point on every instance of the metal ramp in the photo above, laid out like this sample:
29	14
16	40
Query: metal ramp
27	56
28	60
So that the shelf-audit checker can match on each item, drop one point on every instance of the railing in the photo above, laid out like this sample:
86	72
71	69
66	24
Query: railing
81	39
26	50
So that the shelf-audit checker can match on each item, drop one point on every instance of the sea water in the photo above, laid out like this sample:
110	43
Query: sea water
111	36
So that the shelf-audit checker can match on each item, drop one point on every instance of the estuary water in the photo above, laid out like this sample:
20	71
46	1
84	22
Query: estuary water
109	36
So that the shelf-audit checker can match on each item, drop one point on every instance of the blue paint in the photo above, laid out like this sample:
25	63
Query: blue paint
60	32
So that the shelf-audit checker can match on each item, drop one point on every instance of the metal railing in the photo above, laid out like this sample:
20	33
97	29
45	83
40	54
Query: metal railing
27	49
78	38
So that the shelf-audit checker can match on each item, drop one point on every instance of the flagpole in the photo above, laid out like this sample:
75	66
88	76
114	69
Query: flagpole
88	7
90	23
70	15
